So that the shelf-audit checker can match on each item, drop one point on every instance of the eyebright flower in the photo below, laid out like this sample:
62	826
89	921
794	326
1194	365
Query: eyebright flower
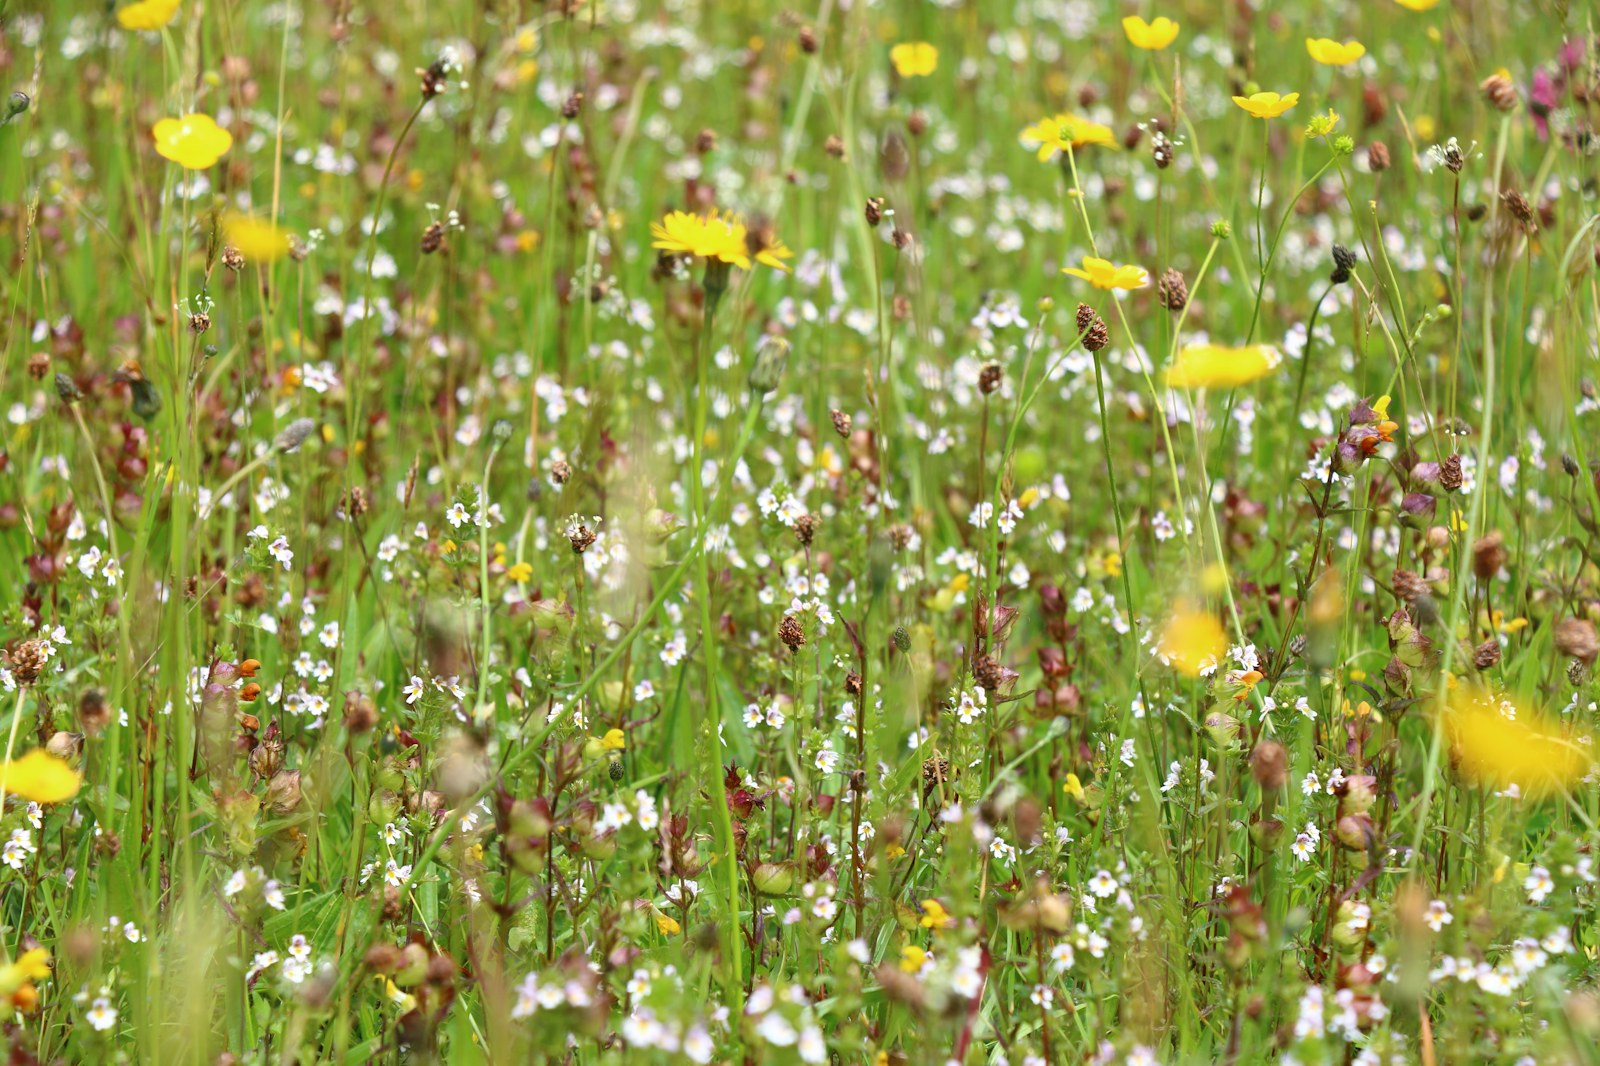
1211	366
1104	274
914	59
1267	105
1331	53
146	14
1152	36
1053	135
194	142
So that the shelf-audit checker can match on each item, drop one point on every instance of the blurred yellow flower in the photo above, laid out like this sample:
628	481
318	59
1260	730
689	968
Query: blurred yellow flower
40	777
17	978
1151	36
1418	5
1073	787
1193	640
667	924
912	958
146	14
521	573
194	142
613	740
914	59
260	241
1501	741
1331	53
1267	105
1211	366
934	916
1053	135
1104	274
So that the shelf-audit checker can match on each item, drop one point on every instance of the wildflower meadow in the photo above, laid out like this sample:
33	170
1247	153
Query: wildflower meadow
878	532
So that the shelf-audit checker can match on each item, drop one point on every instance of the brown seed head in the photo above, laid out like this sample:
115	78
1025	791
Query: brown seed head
1092	329
791	632
1172	290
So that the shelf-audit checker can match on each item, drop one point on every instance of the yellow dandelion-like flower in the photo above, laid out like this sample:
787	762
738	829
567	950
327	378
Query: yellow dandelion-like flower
1503	742
40	777
259	240
709	236
1152	36
1267	105
147	14
1053	135
1331	53
1104	274
1213	366
914	59
1192	641
194	142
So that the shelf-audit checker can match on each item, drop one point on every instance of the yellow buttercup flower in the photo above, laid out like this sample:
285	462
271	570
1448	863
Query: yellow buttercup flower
1053	135
1331	53
147	14
914	59
1267	105
40	777
1151	36
1104	274
1193	641
260	241
1212	366
1418	5
194	142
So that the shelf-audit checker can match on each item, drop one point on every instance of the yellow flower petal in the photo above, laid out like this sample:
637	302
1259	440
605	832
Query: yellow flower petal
1193	640
40	777
194	142
147	14
1104	274
1151	36
1331	53
1267	105
259	240
1212	366
1502	742
914	59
